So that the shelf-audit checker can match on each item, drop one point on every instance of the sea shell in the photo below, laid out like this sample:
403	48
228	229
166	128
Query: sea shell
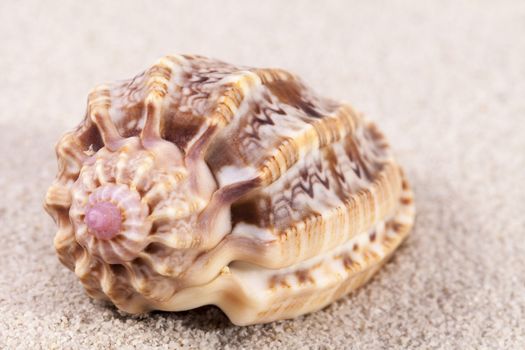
199	182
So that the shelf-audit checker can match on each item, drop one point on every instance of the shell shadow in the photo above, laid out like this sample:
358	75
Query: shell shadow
206	318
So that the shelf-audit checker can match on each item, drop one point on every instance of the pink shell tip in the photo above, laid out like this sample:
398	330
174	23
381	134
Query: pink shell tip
103	220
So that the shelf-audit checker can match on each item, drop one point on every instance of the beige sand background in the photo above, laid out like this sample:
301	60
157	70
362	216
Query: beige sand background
446	82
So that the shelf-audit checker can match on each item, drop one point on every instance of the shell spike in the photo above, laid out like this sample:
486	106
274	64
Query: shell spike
155	100
107	129
152	127
216	216
157	85
196	165
98	112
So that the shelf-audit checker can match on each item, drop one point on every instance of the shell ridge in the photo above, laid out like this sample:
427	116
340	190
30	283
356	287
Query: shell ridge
200	182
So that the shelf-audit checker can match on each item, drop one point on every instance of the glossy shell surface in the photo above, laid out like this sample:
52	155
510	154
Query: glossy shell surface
199	182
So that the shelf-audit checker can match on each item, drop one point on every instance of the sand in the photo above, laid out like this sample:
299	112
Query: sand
445	81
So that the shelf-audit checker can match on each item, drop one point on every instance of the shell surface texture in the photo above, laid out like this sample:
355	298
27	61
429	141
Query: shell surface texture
199	182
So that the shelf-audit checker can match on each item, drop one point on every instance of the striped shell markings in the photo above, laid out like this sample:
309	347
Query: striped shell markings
199	182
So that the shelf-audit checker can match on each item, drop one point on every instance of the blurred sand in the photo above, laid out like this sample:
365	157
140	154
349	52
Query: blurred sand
446	82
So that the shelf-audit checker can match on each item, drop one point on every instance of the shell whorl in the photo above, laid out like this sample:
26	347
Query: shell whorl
147	193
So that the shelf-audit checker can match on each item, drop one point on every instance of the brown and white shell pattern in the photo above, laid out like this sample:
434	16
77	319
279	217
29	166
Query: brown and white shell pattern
199	182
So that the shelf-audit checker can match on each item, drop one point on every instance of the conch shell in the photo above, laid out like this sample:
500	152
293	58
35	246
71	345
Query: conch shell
199	182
